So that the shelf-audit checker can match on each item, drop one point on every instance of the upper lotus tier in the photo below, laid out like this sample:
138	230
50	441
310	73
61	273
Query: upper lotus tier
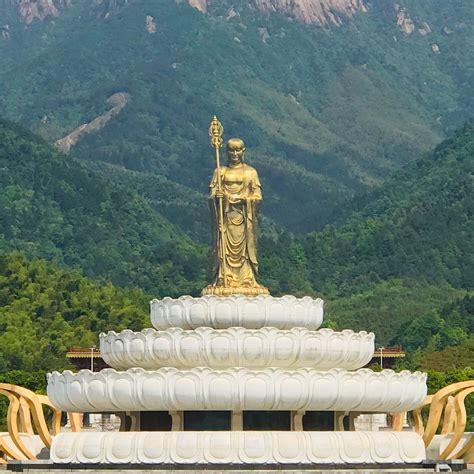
237	347
220	312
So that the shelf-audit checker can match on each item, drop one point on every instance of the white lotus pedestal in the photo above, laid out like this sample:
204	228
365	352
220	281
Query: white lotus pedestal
237	381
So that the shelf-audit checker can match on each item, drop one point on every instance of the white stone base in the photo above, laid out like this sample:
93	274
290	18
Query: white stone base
237	389
237	347
238	448
32	442
441	441
222	312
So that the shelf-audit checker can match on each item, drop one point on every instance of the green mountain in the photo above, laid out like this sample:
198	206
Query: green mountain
45	310
53	207
407	250
418	225
399	266
330	103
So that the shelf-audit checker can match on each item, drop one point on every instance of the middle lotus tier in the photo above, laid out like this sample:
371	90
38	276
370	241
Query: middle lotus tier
237	347
170	389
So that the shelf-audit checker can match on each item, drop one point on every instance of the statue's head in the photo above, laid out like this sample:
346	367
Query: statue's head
235	151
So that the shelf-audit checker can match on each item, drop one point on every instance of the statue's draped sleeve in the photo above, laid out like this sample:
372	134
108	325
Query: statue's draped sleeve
213	185
254	198
215	219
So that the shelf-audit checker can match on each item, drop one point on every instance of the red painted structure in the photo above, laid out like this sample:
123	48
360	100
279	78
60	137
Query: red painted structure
85	358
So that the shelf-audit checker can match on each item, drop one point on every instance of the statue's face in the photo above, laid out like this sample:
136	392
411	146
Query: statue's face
235	152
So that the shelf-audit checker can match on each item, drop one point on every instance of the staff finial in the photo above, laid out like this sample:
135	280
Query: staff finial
216	131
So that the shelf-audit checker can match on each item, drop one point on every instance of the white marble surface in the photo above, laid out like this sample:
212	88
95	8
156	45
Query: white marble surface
32	442
236	389
244	447
220	312
440	442
237	347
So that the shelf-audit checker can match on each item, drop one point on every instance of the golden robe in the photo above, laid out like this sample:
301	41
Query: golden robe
237	270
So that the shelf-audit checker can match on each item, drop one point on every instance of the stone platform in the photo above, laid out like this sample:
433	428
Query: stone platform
237	358
239	448
43	468
236	389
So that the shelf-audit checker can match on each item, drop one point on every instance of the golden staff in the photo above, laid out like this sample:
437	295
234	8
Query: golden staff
216	130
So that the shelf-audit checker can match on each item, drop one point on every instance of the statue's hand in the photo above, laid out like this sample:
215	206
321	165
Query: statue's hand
235	199
219	194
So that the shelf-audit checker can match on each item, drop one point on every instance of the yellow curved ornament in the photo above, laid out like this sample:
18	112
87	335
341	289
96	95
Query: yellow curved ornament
56	421
447	403
22	452
418	418
437	405
397	421
449	416
24	407
459	425
24	418
36	411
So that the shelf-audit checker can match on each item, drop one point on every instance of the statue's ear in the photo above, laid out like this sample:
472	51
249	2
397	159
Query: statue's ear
243	150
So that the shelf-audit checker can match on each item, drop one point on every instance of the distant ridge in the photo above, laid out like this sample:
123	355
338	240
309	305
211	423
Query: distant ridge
319	12
327	111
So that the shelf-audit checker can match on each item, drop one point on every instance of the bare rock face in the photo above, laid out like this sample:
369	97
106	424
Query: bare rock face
5	32
424	29
232	13
31	10
320	12
264	35
117	102
201	5
150	24
404	22
104	8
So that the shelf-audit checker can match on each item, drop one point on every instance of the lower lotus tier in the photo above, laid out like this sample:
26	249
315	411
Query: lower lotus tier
244	448
170	389
237	347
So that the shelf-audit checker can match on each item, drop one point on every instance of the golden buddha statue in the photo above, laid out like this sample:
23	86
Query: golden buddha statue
235	193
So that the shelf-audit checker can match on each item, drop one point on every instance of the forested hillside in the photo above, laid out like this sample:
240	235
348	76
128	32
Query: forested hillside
406	252
45	310
400	260
53	207
327	110
418	225
414	291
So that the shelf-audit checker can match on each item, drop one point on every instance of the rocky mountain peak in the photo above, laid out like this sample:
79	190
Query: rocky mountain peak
201	5
31	10
404	22
104	8
320	12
